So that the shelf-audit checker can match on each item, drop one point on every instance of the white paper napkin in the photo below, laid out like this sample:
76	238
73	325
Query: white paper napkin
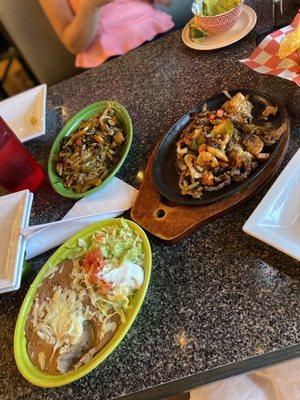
109	202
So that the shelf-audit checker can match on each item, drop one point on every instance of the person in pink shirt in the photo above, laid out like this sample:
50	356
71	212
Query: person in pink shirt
95	30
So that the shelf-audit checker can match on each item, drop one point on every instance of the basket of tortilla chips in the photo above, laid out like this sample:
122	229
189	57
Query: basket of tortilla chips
279	53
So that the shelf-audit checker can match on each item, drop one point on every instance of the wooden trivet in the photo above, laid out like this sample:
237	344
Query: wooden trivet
173	222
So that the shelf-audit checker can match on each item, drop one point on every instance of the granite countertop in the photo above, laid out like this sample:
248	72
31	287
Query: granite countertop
219	302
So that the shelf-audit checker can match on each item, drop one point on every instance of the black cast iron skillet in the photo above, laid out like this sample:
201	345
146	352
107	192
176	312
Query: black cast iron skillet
165	176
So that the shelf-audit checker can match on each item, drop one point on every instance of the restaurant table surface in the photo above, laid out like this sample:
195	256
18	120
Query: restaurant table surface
220	302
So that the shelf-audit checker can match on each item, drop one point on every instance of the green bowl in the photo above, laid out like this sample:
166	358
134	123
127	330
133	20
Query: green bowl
44	379
88	112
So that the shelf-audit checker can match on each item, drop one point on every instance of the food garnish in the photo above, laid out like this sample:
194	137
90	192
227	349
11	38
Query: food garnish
82	300
221	147
88	154
195	32
210	8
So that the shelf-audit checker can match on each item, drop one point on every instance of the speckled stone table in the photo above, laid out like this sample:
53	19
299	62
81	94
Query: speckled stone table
220	302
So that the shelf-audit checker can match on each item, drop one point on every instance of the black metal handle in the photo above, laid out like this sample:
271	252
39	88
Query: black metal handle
277	13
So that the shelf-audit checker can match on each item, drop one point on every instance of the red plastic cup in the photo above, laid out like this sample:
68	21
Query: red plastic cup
18	169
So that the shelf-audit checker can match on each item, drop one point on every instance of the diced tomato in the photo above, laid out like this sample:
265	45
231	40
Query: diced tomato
91	259
100	238
93	263
105	286
212	117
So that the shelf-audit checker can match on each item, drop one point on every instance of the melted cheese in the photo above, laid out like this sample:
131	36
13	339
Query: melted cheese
58	320
42	360
108	326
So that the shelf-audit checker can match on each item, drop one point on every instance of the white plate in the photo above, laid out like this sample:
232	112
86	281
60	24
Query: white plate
276	219
25	113
20	260
244	25
15	212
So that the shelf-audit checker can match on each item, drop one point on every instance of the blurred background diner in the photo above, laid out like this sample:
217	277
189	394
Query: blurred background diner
30	50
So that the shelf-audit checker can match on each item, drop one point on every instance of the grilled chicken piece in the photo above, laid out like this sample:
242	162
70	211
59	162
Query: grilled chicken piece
238	106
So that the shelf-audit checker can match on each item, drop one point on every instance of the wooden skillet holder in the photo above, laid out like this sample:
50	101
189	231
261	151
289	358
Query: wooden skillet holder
173	222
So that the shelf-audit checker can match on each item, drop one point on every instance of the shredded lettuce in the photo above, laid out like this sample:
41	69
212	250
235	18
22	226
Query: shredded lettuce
76	250
119	243
214	7
115	304
82	243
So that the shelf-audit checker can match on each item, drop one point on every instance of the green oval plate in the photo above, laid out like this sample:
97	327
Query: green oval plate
25	366
88	112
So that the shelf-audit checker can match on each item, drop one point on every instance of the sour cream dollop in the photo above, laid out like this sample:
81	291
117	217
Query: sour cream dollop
128	273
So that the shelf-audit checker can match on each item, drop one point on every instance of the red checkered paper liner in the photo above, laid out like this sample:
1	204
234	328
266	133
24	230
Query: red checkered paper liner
265	59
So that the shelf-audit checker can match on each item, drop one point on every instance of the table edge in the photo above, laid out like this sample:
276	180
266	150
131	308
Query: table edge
226	371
